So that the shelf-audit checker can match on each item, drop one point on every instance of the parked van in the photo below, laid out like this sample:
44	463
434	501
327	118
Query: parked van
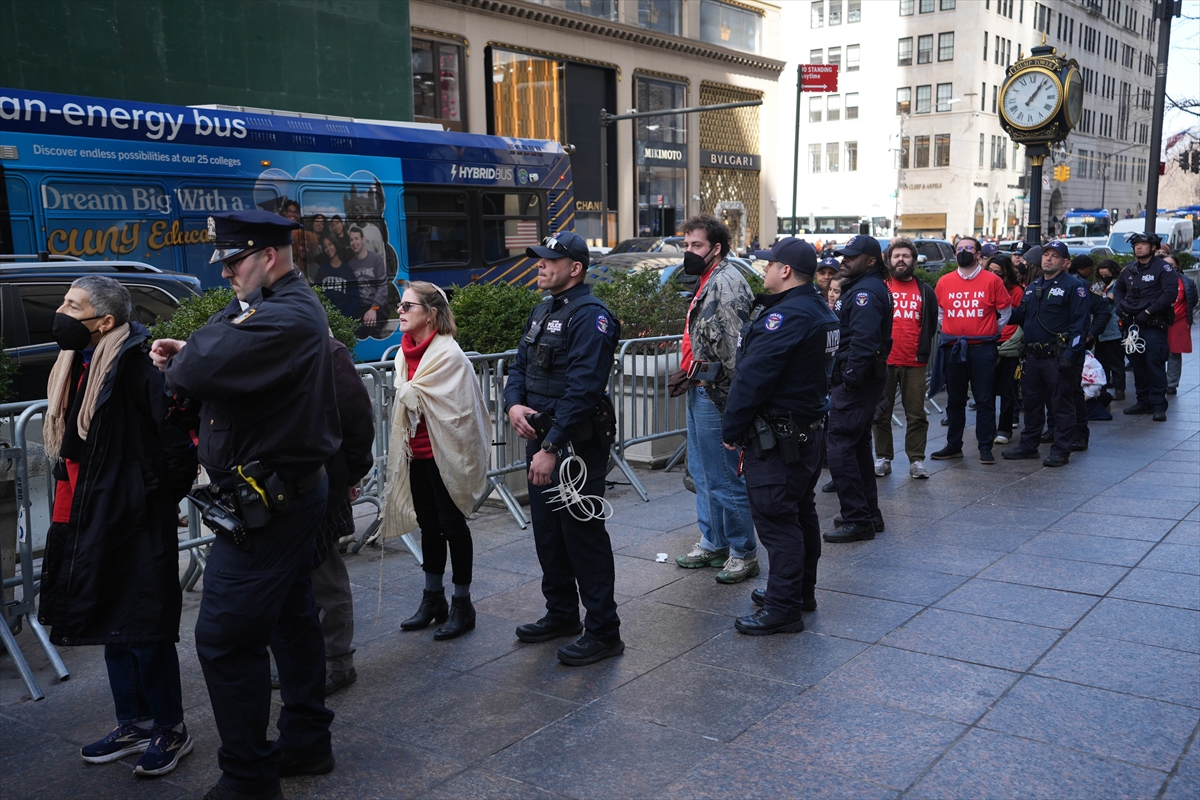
1175	231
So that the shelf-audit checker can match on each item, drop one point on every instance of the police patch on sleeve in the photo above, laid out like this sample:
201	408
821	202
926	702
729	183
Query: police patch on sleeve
774	320
862	298
1082	292
602	323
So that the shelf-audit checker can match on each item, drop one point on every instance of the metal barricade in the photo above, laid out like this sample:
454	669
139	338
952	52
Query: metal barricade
645	409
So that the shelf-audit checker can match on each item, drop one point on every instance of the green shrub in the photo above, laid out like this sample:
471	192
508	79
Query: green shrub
1185	260
644	305
193	312
491	316
8	371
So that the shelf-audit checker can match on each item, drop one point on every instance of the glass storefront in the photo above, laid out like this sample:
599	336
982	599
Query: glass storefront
528	95
661	155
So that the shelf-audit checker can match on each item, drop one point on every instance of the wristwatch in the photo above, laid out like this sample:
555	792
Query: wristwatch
550	447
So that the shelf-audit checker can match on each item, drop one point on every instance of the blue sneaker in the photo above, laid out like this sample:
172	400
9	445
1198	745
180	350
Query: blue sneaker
164	752
124	740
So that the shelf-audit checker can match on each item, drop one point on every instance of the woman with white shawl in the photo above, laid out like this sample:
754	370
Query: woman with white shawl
438	461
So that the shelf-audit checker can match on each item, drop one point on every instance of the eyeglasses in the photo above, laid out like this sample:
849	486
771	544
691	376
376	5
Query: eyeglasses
407	307
967	248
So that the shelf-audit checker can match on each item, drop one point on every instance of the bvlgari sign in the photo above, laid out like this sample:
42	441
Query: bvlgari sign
719	160
660	154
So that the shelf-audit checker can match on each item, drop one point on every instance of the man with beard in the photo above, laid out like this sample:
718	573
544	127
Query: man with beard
914	324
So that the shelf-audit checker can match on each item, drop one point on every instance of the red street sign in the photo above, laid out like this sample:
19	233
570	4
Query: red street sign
819	77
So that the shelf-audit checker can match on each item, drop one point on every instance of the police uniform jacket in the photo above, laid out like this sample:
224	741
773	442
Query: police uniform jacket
579	345
865	314
781	361
1052	307
264	378
1150	287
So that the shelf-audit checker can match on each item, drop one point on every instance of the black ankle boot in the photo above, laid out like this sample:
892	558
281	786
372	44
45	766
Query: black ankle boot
462	619
433	608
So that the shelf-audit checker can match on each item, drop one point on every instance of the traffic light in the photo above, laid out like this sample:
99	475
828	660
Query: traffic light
1062	174
1184	160
1196	161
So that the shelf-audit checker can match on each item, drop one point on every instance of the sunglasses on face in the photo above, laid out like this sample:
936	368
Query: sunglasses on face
407	307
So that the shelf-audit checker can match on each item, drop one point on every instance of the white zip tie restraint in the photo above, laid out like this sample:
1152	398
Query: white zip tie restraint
1133	342
572	475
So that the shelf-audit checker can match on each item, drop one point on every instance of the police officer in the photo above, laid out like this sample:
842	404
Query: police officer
1144	297
262	372
776	410
859	374
1053	314
555	398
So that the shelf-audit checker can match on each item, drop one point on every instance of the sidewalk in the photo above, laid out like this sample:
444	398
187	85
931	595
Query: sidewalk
1017	632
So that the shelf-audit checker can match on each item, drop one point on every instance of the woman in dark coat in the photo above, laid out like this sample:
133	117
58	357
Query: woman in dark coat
110	574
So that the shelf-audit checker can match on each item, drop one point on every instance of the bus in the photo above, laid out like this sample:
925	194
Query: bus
1087	226
116	180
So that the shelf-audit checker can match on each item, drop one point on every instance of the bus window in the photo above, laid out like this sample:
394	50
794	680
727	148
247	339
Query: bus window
111	220
437	228
511	223
16	218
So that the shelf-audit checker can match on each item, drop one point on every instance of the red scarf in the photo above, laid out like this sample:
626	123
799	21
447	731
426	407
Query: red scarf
421	447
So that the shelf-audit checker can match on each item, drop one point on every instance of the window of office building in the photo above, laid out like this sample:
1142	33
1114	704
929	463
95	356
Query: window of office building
948	5
437	82
924	96
904	52
851	156
818	14
833	107
941	150
926	6
945	93
660	15
981	136
814	158
816	56
851	105
920	151
853	55
903	100
925	49
832	152
814	109
907	7
527	92
853	11
946	46
661	155
730	26
835	56
835	12
604	9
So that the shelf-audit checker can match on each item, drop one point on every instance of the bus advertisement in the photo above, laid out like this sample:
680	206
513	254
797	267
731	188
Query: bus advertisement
116	180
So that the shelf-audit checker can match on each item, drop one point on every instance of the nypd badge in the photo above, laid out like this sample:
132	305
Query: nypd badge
862	298
602	323
774	320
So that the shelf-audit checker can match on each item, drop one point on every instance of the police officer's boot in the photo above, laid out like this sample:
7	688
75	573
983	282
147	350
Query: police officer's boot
433	608
462	619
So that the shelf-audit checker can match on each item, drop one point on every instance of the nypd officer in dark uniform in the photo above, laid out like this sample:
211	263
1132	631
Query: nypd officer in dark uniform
1054	315
776	410
555	398
262	373
859	374
1144	299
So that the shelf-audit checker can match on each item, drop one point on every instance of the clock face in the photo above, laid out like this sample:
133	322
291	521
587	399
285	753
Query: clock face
1031	99
1074	97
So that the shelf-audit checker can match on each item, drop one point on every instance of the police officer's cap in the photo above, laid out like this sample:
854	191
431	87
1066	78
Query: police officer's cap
238	231
1021	248
1140	236
796	253
860	244
828	262
989	249
564	244
1059	248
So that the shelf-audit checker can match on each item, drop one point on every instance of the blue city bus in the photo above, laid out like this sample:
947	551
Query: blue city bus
116	180
1087	223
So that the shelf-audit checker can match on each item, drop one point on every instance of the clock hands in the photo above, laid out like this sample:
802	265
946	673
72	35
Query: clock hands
1035	93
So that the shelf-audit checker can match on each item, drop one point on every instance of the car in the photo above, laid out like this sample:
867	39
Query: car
666	265
1096	253
649	244
1195	251
31	290
934	255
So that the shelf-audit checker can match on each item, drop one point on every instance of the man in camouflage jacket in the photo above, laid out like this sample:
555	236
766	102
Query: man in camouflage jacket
715	318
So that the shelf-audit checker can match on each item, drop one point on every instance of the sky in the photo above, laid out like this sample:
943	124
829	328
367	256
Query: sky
1183	69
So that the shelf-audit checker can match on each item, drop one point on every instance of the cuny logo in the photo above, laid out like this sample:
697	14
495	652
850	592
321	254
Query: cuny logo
459	172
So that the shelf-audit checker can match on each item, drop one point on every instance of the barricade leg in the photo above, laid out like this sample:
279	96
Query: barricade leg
60	669
679	454
628	470
196	564
514	508
10	644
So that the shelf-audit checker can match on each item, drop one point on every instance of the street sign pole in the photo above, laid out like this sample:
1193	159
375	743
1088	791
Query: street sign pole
796	150
1164	10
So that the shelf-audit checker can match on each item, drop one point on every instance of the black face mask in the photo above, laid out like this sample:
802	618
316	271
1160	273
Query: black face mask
71	333
965	258
695	264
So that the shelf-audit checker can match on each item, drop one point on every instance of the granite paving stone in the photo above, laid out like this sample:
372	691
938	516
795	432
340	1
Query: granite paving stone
915	553
1154	672
1080	547
736	772
853	737
979	640
1144	732
1138	507
1011	601
992	766
801	659
666	629
1121	527
1187	533
1145	623
851	616
1157	586
890	583
1181	789
1055	573
480	783
1173	558
537	668
984	536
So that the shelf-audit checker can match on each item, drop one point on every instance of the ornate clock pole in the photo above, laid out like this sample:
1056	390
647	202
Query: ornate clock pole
1041	102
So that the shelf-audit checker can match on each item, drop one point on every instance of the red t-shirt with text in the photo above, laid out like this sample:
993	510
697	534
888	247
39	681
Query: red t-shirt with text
969	306
906	323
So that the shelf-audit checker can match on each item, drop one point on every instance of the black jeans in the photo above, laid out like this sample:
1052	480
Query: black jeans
980	371
1111	355
848	449
442	524
1006	390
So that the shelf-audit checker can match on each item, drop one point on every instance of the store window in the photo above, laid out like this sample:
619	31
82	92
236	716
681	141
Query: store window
604	9
814	158
903	100
851	105
832	151
851	156
511	222
941	150
920	152
527	94
662	191
730	26
437	83
436	226
660	15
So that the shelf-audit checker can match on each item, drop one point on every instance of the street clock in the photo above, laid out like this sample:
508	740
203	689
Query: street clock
1042	98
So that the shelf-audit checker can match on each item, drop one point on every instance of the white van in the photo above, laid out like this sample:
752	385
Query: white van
1175	231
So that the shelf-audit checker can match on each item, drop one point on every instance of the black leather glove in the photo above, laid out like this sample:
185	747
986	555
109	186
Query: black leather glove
1142	318
1066	365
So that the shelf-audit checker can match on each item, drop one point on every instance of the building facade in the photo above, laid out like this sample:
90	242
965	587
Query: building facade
912	143
546	69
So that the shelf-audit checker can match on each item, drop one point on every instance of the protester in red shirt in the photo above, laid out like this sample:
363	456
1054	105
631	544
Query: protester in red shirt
973	306
1007	356
914	324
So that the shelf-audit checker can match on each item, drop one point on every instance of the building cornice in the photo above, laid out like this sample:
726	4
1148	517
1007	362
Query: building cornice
544	16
